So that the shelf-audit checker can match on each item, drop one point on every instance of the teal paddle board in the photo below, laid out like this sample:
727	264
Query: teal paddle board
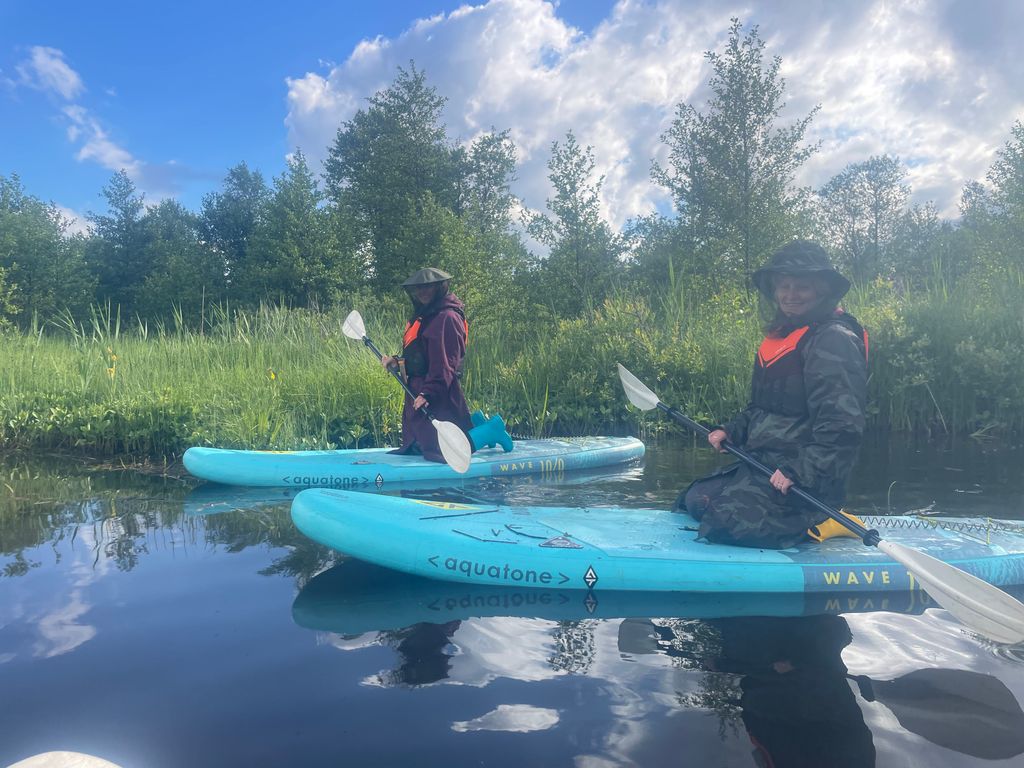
368	468
634	549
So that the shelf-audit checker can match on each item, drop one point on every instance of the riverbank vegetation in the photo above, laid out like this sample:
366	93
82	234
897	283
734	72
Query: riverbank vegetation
163	328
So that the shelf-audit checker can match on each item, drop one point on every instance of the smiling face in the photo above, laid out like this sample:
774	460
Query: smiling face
425	293
798	295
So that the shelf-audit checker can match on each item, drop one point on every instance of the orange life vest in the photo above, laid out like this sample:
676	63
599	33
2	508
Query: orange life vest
414	351
778	381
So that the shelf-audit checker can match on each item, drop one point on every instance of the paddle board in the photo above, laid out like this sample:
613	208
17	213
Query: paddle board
367	468
634	549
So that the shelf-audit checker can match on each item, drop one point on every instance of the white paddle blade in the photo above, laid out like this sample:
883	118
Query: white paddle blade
981	606
353	326
637	392
454	445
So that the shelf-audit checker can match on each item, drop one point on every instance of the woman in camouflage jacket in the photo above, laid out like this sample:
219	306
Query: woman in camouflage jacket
806	411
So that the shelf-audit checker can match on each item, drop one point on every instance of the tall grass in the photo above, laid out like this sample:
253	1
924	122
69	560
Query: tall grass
943	359
948	359
276	379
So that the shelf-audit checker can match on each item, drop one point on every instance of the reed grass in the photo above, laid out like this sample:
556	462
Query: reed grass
942	360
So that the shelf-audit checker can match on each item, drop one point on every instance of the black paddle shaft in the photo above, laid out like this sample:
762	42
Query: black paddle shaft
393	370
869	537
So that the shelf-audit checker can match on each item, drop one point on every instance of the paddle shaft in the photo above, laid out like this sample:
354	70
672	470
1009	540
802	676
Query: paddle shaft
394	372
869	537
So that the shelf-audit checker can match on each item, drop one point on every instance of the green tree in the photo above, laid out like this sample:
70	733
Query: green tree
44	265
584	257
482	263
292	256
731	168
1005	230
991	227
229	219
928	250
862	209
383	164
186	275
487	199
115	251
491	252
8	305
1006	177
656	250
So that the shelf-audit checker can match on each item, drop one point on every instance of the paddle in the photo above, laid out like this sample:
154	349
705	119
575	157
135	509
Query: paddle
452	440
981	606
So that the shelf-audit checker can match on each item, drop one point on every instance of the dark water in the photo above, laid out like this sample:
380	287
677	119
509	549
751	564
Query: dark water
157	624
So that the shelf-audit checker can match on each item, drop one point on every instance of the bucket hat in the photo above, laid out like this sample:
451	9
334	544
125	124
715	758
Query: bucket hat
800	258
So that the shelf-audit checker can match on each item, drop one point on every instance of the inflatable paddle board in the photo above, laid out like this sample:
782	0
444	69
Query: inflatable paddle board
634	549
367	468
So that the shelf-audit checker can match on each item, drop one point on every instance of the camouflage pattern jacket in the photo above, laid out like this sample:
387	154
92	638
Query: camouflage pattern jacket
816	445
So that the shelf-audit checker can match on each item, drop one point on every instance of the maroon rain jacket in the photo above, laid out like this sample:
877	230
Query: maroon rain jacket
443	335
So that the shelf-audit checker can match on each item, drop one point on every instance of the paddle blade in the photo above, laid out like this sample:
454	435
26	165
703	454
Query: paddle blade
637	392
454	445
984	608
353	326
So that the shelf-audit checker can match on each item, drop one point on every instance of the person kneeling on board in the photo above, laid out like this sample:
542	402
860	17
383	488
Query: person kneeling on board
806	413
433	348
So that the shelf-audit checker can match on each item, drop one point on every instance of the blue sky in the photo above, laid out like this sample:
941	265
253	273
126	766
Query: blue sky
189	88
177	93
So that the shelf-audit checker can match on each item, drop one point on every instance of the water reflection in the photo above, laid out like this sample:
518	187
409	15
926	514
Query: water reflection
520	718
969	712
799	709
135	608
793	696
424	651
116	520
782	680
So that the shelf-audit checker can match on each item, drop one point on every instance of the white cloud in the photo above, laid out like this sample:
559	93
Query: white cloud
96	145
927	81
76	222
46	70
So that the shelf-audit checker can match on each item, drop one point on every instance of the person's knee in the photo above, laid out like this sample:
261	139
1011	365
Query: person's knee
690	503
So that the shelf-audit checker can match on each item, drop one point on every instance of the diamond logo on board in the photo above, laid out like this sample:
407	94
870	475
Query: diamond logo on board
561	542
590	577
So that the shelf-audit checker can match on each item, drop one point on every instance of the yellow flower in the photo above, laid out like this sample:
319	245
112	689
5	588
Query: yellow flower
113	358
271	374
111	371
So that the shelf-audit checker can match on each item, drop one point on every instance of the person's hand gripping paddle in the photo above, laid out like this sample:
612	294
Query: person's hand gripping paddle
452	440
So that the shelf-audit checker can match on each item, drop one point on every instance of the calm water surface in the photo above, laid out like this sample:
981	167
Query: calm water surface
155	623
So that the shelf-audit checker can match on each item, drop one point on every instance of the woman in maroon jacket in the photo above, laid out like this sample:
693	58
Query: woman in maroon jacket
433	347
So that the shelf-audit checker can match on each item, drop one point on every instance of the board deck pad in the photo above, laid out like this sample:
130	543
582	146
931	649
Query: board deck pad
376	468
634	549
